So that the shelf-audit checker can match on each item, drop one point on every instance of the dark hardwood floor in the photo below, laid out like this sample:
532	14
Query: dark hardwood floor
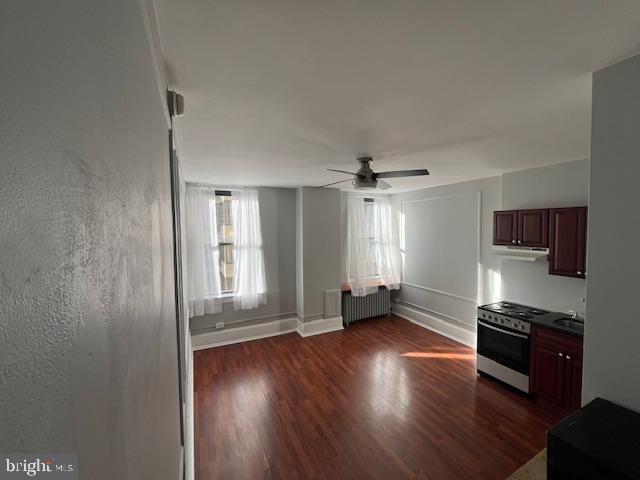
385	399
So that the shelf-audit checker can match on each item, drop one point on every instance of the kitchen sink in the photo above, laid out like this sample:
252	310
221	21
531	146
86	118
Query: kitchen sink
570	323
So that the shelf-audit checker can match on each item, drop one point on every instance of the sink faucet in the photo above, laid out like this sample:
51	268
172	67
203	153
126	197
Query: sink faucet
573	313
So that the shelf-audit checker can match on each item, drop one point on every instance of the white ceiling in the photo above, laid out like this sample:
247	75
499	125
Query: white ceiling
276	91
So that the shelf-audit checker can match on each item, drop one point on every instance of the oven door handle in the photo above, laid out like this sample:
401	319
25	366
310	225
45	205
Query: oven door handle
506	332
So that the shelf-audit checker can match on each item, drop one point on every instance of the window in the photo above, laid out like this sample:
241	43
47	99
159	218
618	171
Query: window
224	225
370	218
224	250
373	253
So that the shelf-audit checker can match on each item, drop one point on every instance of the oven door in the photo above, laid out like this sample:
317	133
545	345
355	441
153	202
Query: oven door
508	348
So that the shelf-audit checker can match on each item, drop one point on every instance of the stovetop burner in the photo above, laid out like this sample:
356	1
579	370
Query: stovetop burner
515	310
502	306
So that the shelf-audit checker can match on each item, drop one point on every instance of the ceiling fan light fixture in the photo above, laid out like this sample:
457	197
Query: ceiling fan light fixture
358	184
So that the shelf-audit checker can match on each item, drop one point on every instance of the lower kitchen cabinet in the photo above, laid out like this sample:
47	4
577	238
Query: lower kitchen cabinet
548	378
556	368
573	390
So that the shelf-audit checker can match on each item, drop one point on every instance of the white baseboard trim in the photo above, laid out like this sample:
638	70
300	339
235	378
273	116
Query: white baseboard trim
454	332
322	325
200	341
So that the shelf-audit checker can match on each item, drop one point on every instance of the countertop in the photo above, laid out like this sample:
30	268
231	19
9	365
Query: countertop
548	322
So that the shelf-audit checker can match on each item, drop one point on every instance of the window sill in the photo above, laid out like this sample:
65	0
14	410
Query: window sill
346	287
225	298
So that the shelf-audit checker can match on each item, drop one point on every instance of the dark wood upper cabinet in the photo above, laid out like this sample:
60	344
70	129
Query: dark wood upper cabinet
526	228
568	241
505	227
533	228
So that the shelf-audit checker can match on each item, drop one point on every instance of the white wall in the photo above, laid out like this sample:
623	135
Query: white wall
88	359
299	252
612	333
442	242
563	185
450	267
277	216
319	234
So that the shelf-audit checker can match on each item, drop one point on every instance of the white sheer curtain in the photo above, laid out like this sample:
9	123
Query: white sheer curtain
373	249
249	285
386	246
361	271
203	275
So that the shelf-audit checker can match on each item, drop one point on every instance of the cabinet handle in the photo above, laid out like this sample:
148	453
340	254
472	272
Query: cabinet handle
560	355
579	272
568	357
519	241
513	241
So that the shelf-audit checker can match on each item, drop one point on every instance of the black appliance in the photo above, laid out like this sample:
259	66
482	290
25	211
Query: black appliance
599	441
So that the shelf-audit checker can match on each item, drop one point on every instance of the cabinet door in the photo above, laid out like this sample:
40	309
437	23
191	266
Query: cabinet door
505	227
533	228
548	370
568	241
573	382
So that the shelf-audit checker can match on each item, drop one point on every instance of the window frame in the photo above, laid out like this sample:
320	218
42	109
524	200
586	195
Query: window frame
227	295
369	203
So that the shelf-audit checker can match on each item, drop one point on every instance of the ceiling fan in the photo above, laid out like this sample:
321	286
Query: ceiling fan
365	178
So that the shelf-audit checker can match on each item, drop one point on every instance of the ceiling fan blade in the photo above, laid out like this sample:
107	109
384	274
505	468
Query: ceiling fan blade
334	183
382	185
340	171
402	173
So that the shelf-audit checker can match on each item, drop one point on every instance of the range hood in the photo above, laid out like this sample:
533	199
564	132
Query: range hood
527	254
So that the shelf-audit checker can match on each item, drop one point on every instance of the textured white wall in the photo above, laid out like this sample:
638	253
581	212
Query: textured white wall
88	359
612	332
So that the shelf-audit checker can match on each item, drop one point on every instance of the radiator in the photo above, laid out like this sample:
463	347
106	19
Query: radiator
359	308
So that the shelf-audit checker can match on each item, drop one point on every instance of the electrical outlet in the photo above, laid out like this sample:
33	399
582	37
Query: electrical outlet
219	325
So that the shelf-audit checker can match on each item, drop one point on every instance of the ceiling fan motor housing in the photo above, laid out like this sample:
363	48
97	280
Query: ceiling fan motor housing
365	178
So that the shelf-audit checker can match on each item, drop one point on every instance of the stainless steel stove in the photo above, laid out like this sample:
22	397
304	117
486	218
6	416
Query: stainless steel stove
503	342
